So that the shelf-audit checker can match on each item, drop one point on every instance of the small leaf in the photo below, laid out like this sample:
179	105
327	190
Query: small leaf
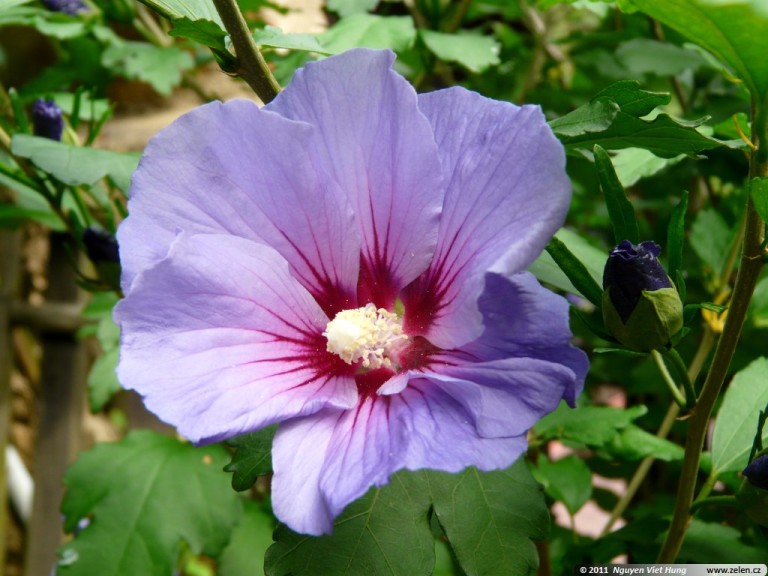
634	443
252	457
473	51
205	32
567	480
634	164
384	532
576	272
758	189
676	237
590	425
547	270
646	56
76	165
244	555
102	379
190	9
711	239
395	32
620	209
632	99
159	66
490	518
145	495
595	116
736	421
276	38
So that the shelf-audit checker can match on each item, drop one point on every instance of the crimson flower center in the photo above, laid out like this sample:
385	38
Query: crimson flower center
369	335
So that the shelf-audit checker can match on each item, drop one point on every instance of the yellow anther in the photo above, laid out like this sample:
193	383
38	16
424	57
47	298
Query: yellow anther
364	335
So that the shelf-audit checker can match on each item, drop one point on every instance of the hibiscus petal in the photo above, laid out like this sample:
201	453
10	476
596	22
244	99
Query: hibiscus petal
507	193
506	397
525	320
380	149
233	168
326	461
222	340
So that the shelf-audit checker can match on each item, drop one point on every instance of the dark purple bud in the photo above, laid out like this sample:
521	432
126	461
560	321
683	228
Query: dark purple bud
757	472
100	245
47	120
630	270
71	7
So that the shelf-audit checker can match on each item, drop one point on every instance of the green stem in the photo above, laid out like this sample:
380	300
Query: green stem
746	279
719	500
668	380
252	66
681	372
705	346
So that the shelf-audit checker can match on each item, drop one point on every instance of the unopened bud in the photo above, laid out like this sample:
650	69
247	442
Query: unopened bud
47	120
641	307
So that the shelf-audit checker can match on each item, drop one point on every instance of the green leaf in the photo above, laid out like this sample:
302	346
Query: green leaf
490	519
74	165
205	32
594	116
634	443
576	271
102	379
568	480
159	66
590	425
758	306
711	239
632	99
736	32
190	9
276	38
736	421
244	555
710	542
384	532
252	457
663	136
145	495
620	209
546	270
348	7
634	164
395	32
758	189
473	51
645	56
676	236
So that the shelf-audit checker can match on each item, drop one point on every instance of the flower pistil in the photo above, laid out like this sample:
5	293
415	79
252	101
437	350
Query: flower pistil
368	335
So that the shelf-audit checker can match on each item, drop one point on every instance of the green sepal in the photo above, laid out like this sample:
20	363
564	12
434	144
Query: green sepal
657	316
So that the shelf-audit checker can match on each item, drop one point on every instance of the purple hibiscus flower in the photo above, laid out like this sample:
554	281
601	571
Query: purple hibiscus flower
349	261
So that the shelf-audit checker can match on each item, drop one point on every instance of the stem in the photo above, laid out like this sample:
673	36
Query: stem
705	346
679	367
721	500
668	380
746	279
252	66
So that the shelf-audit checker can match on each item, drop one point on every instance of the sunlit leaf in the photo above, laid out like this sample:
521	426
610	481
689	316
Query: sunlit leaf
736	422
143	496
473	51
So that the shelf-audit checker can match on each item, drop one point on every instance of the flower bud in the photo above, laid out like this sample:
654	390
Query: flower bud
757	471
641	307
47	120
71	7
100	245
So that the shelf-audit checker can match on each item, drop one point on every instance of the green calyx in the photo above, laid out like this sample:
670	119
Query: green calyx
657	316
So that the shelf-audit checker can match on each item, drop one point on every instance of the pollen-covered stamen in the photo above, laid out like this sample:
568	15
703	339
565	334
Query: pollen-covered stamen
368	335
